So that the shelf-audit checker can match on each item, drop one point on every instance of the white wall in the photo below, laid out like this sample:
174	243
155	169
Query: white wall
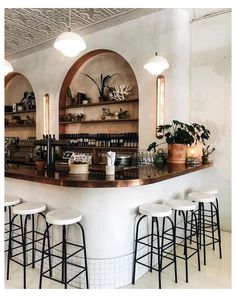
166	31
211	99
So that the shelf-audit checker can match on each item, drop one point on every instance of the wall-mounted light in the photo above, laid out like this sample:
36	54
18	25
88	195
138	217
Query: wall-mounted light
156	65
69	43
7	67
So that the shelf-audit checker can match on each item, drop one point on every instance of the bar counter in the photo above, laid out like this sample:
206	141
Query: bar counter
109	206
134	176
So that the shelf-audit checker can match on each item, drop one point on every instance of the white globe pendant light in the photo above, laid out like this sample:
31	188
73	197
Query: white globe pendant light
69	43
156	65
7	67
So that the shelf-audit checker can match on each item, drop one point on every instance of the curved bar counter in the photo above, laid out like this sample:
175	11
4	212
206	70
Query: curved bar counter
128	177
109	206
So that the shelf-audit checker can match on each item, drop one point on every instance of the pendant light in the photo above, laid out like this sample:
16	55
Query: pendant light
69	43
156	65
7	67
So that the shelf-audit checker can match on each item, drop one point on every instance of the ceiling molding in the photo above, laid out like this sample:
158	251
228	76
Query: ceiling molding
28	30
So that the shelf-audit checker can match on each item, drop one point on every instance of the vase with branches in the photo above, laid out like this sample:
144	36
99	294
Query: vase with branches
104	85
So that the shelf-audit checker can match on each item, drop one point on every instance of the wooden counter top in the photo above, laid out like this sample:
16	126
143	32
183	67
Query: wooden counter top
135	176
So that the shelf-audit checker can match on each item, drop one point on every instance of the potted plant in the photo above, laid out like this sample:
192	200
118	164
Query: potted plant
40	159
178	135
205	154
104	84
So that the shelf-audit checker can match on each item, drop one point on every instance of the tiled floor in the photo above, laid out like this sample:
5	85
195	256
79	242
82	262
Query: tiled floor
215	275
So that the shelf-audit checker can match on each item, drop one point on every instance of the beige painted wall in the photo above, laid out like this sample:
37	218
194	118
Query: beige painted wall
211	99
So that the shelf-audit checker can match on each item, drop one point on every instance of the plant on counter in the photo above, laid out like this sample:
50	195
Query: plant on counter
104	84
182	133
41	154
205	154
178	135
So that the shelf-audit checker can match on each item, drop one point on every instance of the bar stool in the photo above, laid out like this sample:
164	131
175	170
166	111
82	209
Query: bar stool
183	207
27	238
207	219
63	217
156	212
8	203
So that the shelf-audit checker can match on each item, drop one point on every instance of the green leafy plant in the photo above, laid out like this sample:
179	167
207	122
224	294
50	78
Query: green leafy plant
104	83
153	146
207	151
183	133
41	154
68	93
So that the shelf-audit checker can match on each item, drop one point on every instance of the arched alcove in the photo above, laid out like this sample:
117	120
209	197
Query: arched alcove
16	84
95	63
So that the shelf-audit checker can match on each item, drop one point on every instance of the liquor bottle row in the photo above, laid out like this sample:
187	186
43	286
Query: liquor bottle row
102	140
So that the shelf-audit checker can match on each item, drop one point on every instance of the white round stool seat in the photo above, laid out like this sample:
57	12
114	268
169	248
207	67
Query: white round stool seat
201	197
11	200
28	208
66	216
212	191
181	204
155	210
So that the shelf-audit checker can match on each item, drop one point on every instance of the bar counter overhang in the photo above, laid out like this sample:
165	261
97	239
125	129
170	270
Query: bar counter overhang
109	208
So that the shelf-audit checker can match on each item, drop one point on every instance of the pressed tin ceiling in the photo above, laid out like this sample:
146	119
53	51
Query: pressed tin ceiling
31	29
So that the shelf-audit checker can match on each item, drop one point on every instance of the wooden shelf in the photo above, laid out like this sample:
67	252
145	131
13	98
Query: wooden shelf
104	147
22	145
19	126
100	103
18	112
101	121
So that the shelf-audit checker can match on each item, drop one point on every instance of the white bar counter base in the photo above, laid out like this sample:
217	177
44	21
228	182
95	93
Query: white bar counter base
109	218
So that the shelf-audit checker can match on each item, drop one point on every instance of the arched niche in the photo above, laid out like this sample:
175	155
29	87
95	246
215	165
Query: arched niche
15	86
95	63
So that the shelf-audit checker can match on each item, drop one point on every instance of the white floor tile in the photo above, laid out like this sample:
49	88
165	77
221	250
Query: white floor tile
216	274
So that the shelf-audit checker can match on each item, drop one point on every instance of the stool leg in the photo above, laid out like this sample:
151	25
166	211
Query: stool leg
174	247
135	249
9	217
9	252
48	242
200	225
191	228
185	244
151	256
218	227
42	258
158	253
203	232
162	239
212	228
197	240
64	256
85	256
33	245
24	250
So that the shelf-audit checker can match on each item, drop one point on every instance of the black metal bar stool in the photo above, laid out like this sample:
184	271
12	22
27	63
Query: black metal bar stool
26	239
10	201
64	218
183	207
208	220
158	213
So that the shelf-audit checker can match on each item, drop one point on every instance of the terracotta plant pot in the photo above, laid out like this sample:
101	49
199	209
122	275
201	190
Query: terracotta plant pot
177	153
39	165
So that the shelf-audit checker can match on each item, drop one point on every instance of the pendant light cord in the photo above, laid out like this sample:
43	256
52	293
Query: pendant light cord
69	21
